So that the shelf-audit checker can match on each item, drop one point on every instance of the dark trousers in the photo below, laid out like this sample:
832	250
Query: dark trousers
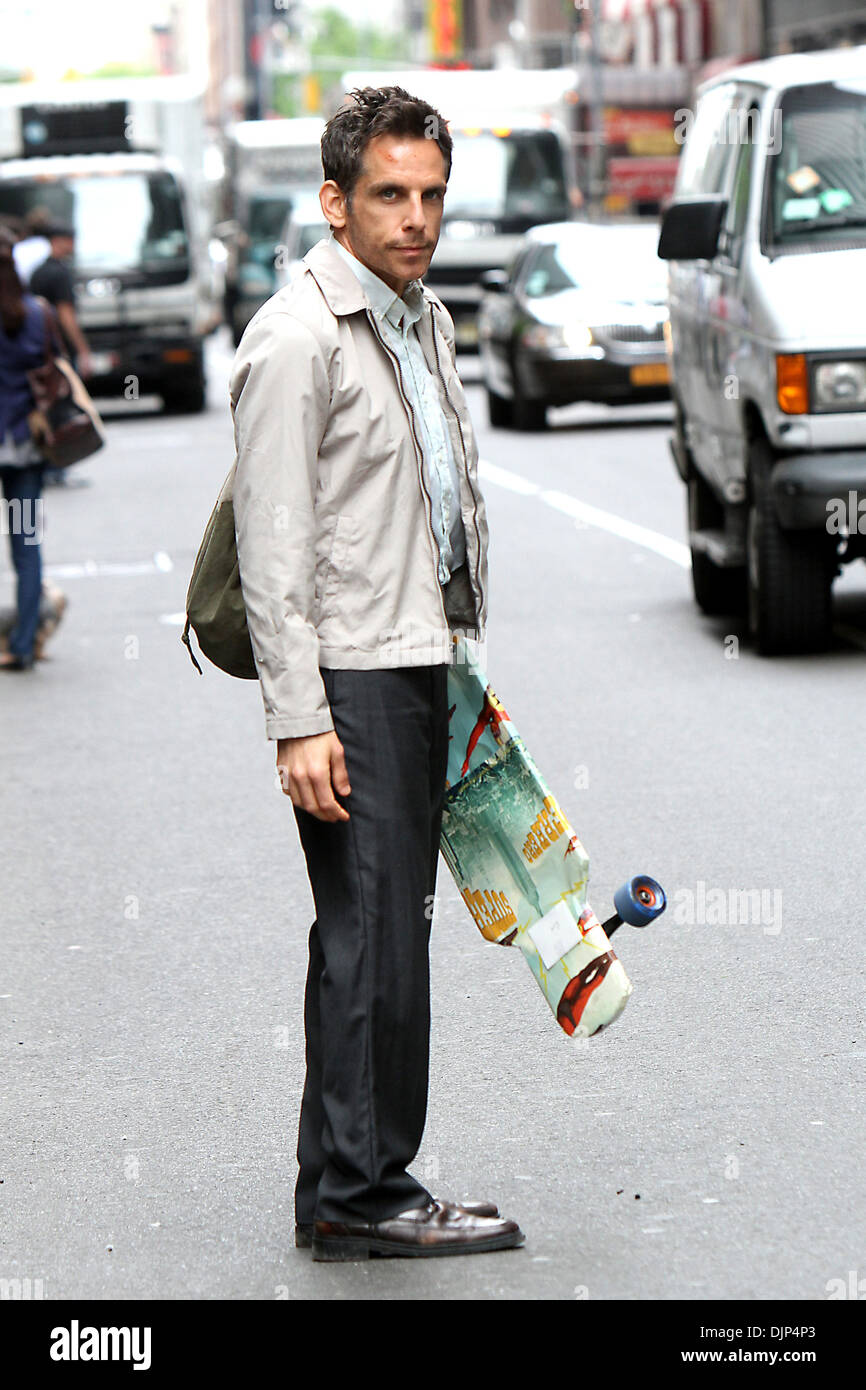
22	489
367	1004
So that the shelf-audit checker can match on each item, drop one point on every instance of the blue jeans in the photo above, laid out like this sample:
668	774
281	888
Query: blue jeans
22	488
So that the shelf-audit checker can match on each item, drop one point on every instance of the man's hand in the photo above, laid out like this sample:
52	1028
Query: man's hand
311	769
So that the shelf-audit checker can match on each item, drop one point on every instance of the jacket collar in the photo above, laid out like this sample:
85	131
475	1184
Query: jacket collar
339	284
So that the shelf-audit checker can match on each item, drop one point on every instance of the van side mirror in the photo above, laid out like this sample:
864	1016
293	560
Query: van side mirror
690	229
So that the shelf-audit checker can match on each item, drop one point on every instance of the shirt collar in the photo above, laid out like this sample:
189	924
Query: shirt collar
384	301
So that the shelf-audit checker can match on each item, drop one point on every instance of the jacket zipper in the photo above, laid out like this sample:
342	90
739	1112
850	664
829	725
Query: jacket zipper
407	404
466	468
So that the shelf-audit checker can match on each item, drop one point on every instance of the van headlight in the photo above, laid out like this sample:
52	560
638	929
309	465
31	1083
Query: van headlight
840	385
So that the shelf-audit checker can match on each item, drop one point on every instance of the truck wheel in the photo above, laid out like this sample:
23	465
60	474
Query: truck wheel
529	415
718	590
790	573
190	400
499	411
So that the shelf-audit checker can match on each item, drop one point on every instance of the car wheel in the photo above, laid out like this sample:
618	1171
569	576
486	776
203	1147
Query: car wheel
529	415
499	411
790	573
718	589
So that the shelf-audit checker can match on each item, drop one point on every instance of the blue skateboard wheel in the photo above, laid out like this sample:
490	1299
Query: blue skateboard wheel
640	900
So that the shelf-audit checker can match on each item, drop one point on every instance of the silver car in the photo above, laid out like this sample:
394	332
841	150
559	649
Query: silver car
766	239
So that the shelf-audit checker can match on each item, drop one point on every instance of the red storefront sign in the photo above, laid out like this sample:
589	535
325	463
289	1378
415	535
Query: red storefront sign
642	180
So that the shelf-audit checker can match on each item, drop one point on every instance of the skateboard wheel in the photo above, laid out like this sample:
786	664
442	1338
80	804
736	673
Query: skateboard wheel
640	900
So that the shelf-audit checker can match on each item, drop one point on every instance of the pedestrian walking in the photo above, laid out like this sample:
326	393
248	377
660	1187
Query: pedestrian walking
362	540
52	280
22	347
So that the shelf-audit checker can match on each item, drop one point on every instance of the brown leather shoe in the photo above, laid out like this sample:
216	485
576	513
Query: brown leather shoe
304	1230
439	1228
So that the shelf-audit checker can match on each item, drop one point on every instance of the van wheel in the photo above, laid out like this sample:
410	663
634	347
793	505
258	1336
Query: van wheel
790	573
685	464
499	412
718	590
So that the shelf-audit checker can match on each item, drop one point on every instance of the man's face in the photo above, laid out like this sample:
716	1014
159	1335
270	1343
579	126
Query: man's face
396	212
62	247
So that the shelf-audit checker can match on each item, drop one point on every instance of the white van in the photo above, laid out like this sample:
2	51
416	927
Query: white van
766	240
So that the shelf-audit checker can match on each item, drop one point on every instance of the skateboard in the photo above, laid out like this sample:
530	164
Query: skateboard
520	867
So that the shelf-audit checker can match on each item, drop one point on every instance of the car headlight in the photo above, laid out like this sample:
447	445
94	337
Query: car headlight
840	385
462	230
573	336
578	336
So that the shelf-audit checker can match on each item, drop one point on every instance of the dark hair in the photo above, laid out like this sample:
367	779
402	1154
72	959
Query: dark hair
372	111
12	309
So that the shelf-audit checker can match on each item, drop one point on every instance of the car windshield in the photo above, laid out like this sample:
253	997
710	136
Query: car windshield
817	179
507	177
616	264
125	221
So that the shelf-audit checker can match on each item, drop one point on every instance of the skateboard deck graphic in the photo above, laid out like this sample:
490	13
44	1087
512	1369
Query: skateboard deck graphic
517	861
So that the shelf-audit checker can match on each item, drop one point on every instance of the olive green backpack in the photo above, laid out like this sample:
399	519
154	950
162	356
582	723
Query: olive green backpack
214	602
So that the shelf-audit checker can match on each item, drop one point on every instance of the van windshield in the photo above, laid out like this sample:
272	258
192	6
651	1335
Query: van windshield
123	222
817	179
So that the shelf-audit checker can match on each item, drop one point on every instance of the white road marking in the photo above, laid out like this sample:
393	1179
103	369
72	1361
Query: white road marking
161	563
158	442
669	549
662	545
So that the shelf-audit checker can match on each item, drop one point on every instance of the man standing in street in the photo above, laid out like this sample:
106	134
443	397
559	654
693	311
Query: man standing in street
53	281
362	542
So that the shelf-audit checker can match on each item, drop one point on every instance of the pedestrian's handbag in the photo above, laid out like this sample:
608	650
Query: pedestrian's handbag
64	424
214	602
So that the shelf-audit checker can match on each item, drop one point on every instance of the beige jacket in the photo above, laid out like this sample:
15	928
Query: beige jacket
336	552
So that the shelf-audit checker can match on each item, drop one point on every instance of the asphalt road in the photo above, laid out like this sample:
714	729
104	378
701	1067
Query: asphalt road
155	910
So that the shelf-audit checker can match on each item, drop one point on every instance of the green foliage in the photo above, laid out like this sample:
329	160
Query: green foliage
286	95
121	69
338	37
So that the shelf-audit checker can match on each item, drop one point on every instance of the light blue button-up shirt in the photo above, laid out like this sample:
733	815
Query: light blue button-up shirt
396	318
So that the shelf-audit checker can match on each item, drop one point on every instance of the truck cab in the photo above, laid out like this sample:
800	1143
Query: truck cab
766	243
505	179
141	306
122	162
